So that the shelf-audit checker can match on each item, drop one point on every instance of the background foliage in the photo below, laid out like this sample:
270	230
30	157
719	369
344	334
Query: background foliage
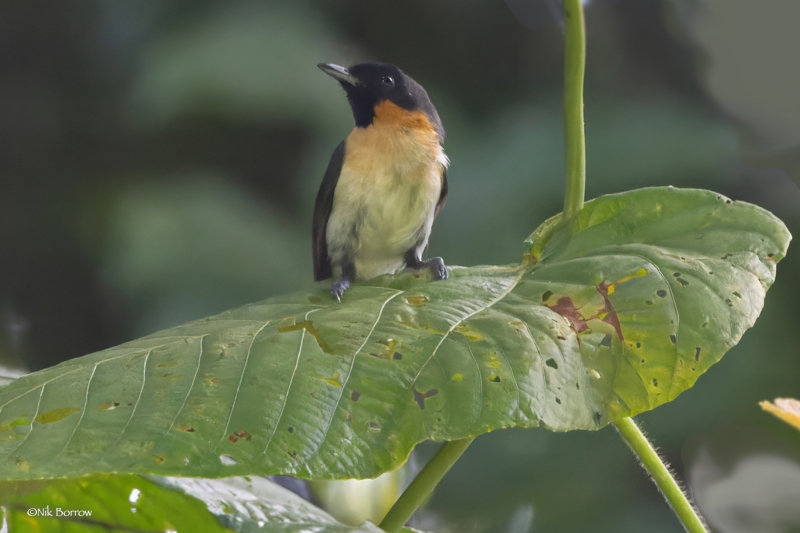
154	158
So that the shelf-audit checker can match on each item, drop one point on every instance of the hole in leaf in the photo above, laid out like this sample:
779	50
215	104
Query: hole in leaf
606	341
558	400
420	397
290	429
551	363
397	356
677	274
494	378
661	293
355	395
638	344
546	296
673	339
655	382
682	281
649	302
697	353
737	294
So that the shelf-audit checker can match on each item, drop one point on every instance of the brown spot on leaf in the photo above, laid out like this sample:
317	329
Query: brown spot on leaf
159	459
611	314
311	330
417	300
566	308
242	434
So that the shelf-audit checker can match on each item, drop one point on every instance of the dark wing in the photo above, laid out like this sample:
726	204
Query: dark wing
322	211
443	194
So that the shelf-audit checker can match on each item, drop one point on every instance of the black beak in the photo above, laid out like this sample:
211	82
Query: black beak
340	73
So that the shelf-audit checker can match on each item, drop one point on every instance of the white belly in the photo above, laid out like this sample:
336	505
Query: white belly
384	202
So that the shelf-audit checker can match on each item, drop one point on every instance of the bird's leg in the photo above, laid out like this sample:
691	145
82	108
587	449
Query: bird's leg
434	264
343	283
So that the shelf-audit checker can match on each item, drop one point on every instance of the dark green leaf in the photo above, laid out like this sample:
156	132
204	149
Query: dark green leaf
611	315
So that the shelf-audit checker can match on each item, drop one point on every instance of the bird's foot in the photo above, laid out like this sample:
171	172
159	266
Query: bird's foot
437	268
338	287
435	265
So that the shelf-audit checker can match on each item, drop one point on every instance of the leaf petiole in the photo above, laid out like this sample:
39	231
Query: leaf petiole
422	486
661	475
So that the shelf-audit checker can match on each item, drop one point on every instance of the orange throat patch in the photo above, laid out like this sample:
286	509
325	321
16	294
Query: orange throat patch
391	114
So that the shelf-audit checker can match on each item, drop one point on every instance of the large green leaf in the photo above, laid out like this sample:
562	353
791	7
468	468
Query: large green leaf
105	503
100	503
612	314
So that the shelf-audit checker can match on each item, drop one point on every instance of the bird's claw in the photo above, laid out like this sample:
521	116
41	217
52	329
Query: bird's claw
338	287
437	268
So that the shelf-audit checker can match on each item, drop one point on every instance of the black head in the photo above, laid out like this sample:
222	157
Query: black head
369	84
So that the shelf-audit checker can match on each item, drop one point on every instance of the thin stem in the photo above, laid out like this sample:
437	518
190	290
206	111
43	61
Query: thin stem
575	61
661	475
422	486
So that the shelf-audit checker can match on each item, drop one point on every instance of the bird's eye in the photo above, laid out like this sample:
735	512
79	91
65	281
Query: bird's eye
388	81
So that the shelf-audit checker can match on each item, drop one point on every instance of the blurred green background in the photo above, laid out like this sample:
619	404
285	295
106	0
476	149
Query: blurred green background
159	162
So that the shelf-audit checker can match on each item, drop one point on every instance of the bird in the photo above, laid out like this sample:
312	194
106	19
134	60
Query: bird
385	183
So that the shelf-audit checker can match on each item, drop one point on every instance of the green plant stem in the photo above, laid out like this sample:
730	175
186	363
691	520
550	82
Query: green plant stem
422	486
575	61
651	462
